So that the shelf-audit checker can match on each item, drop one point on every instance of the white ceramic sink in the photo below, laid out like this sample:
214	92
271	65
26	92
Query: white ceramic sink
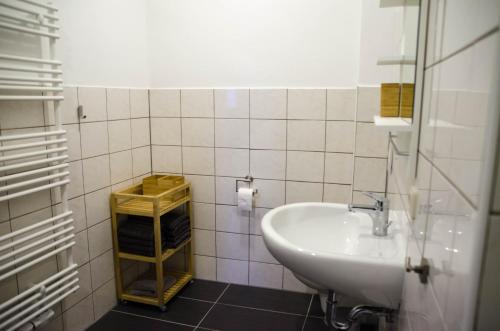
328	247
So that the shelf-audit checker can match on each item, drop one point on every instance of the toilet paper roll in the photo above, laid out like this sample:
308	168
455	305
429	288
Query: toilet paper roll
245	199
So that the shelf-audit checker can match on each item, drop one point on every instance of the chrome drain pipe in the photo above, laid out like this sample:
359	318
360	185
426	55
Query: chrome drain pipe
331	313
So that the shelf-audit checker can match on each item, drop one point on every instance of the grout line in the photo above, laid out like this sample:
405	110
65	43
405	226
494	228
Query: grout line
149	317
463	48
262	309
286	168
215	193
220	296
307	314
324	146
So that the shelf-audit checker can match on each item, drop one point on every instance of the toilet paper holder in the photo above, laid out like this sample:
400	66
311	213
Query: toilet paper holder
249	180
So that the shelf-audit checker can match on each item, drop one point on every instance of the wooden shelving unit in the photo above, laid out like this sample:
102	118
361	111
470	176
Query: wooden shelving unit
133	201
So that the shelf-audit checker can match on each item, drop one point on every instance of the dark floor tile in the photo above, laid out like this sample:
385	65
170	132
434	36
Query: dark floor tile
315	324
277	300
179	310
203	290
124	322
230	318
316	307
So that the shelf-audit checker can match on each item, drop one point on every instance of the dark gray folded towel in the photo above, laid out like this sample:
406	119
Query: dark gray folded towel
148	286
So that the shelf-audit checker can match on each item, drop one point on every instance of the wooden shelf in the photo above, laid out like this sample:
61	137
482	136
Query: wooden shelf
151	259
396	60
182	279
393	124
398	3
156	196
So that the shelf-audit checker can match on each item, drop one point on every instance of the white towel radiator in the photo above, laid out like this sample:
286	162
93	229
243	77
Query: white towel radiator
34	162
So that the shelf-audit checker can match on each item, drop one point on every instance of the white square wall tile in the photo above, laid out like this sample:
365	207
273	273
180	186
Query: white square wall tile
104	299
165	103
305	166
266	275
100	239
94	138
232	133
198	160
198	132
119	135
267	164
205	267
102	269
339	168
232	271
271	193
291	283
205	242
341	104
337	193
22	114
232	245
231	162
121	166
29	203
77	206
268	134
74	143
230	219
226	190
166	159
118	103
204	215
166	131
369	174
80	249
69	105
84	290
80	316
371	141
303	192
141	161
75	187
368	104
307	104
96	173
256	219
139	103
93	100
259	251
306	135
140	132
203	188
197	103
268	103
97	206
340	136
232	103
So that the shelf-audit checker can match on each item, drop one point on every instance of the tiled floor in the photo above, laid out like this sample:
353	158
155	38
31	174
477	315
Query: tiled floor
205	305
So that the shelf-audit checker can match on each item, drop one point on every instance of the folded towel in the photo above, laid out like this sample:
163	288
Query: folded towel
148	286
177	232
138	241
137	251
177	241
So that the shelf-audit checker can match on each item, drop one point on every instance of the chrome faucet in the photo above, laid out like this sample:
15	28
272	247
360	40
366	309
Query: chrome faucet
379	212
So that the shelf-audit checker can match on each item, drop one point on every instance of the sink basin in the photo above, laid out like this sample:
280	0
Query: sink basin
328	247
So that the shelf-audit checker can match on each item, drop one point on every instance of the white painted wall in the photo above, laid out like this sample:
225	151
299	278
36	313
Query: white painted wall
227	43
254	43
381	30
104	42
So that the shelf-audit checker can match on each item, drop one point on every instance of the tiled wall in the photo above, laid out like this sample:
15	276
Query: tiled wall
298	144
108	149
456	115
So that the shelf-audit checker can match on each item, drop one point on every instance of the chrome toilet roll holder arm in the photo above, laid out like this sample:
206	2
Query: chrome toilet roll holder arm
249	180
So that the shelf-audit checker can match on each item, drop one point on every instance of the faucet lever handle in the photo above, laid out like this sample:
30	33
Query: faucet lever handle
374	196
